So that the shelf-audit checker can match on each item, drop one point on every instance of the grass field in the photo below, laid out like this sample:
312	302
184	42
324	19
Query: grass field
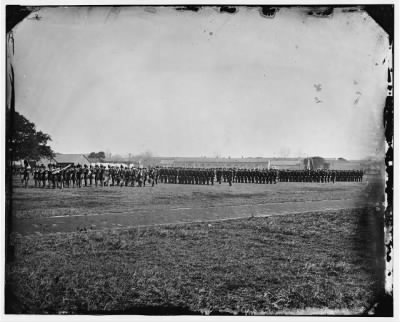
35	203
90	200
272	265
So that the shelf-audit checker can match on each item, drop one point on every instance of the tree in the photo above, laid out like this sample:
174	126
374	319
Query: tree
24	142
100	155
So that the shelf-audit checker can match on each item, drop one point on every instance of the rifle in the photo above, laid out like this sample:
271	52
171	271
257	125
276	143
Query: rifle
57	171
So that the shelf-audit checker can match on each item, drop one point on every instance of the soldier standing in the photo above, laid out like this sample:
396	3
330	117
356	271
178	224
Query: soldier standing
41	176
91	175
144	176
36	176
112	175
54	177
127	175
117	178
140	177
106	175
25	179
133	176
156	174
49	175
229	176
85	174
73	175
151	176
212	176
60	178
121	176
195	177
101	175
218	173
95	174
67	177
79	175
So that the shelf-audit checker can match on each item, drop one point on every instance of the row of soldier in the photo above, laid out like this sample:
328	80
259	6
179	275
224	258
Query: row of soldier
99	175
321	175
83	176
209	175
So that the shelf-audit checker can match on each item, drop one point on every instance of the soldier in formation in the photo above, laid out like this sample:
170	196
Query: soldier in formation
260	176
55	176
199	176
320	175
25	174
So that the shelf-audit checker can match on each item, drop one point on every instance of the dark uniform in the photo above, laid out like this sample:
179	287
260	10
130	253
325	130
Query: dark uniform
26	176
91	175
79	176
229	176
43	176
85	174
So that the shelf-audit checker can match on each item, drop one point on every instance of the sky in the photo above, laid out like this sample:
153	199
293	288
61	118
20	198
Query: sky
181	83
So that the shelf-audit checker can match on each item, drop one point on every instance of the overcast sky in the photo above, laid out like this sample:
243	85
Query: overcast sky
175	83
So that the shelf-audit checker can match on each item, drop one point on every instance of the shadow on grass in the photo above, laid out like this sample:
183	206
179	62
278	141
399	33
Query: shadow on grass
14	306
371	234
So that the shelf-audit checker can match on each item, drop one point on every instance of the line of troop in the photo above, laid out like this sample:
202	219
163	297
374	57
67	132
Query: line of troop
55	176
321	175
98	175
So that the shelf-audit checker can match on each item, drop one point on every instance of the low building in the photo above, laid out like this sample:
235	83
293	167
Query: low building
250	163
214	162
94	160
71	159
296	164
345	164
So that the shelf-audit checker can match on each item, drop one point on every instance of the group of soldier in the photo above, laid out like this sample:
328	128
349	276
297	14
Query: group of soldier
83	176
209	175
55	176
321	175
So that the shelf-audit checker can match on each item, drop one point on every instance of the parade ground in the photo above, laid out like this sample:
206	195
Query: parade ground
43	210
196	249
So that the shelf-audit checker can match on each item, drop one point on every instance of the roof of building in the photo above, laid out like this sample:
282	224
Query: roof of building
71	158
219	160
166	161
285	162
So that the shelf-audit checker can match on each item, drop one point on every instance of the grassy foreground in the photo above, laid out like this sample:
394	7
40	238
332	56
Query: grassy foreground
254	266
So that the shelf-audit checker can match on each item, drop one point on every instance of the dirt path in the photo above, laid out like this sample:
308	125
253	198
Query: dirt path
149	217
